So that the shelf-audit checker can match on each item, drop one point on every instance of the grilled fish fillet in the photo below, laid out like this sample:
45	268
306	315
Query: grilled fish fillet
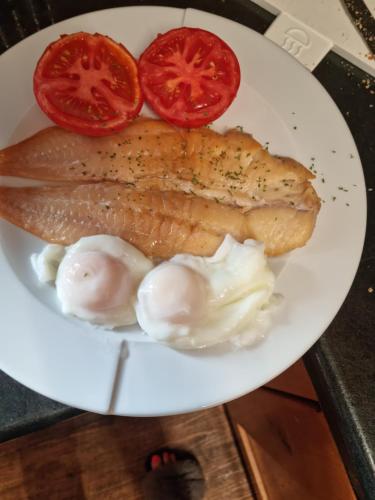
150	154
160	224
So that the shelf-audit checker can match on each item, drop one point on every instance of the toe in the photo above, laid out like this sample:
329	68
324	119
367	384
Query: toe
155	461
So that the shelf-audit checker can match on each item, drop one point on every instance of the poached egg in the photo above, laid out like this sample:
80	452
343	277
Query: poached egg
193	302
96	279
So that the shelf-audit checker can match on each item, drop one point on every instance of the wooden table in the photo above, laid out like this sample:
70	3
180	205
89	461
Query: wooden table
102	457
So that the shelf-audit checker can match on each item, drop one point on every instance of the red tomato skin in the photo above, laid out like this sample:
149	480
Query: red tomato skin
65	121
180	121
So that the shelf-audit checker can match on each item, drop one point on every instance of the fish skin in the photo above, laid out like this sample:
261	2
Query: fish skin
151	154
160	224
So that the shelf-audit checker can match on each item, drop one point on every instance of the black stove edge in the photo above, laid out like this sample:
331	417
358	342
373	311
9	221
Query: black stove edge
343	424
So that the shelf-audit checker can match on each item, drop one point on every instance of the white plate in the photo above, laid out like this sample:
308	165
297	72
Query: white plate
279	102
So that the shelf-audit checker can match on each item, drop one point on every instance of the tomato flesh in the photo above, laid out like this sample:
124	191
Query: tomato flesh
189	76
88	84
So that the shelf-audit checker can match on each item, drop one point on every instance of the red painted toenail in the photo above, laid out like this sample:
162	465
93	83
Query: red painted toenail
155	461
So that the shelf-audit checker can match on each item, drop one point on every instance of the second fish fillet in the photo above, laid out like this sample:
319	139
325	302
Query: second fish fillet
160	224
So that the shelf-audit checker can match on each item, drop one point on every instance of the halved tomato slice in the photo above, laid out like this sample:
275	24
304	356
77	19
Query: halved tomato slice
88	84
189	76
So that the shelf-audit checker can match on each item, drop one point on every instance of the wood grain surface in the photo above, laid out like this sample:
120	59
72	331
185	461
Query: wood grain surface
97	457
295	380
288	448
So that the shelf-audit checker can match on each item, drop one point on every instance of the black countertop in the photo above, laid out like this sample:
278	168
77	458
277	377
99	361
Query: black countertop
342	362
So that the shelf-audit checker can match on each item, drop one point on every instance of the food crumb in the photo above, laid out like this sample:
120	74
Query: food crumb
366	83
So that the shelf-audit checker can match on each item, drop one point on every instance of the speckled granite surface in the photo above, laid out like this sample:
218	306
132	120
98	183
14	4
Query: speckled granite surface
23	410
342	363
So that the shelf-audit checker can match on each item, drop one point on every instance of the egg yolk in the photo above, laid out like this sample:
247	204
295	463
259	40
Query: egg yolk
94	281
175	293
